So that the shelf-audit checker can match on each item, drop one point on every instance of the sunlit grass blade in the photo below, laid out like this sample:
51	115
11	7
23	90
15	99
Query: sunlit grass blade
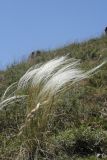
8	90
11	100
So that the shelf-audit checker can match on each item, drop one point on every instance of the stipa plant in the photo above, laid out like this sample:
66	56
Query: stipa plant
41	86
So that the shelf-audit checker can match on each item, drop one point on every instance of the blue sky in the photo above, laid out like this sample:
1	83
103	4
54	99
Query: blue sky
27	25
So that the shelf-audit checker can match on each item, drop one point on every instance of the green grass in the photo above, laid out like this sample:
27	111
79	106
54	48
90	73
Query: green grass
79	116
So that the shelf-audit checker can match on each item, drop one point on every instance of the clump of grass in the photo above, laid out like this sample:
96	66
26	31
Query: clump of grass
41	86
82	141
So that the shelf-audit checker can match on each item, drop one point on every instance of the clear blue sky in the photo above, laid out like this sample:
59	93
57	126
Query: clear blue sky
27	25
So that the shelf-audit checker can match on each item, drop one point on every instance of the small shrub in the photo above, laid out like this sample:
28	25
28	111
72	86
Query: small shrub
83	141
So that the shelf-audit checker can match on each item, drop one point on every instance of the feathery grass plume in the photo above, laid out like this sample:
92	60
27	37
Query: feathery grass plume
62	77
47	70
11	100
92	71
27	77
68	74
36	74
12	86
54	74
50	78
42	73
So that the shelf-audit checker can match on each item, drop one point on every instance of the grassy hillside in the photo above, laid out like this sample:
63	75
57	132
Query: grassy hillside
77	127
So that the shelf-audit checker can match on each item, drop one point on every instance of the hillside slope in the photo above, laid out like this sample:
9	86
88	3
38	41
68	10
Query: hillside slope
77	127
